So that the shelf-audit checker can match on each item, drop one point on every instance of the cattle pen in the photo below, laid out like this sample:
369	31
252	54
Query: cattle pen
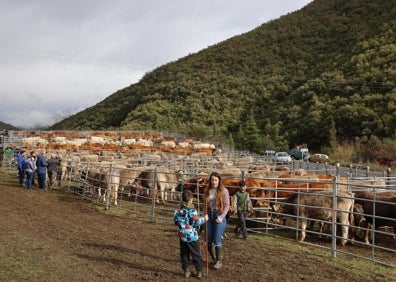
113	178
371	237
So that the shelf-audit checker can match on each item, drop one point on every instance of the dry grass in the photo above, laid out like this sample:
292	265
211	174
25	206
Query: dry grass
345	154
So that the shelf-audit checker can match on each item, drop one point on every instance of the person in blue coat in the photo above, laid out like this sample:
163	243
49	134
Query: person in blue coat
187	220
21	158
41	164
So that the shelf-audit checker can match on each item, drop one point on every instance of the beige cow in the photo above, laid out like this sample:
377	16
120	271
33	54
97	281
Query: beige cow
319	205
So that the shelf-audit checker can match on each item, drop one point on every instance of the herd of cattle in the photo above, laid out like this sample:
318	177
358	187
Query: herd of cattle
276	192
310	197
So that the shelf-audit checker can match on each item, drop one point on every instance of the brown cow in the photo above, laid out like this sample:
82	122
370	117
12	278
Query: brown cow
382	213
359	221
313	181
319	206
194	184
127	177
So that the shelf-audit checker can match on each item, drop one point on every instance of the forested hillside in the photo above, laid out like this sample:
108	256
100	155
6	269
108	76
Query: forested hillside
318	76
4	125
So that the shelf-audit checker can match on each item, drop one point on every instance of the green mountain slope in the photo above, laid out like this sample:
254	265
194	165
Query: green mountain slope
327	71
8	126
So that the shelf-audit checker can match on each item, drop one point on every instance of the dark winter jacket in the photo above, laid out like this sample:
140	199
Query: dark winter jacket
53	164
41	164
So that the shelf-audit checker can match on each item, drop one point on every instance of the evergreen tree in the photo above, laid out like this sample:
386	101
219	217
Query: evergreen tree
333	136
252	135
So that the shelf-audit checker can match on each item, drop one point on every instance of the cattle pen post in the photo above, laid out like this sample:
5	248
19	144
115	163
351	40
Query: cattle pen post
86	177
388	176
154	194
333	218
373	225
108	188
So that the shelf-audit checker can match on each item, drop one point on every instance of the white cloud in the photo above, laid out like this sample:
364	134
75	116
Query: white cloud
63	56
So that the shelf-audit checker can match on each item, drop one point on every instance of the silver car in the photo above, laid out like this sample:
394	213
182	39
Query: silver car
282	158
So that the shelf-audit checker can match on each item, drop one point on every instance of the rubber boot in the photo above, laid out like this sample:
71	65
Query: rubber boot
187	273
212	252
200	274
219	256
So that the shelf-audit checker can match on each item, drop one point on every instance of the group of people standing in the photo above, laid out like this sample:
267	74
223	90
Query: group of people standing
3	135
36	164
217	206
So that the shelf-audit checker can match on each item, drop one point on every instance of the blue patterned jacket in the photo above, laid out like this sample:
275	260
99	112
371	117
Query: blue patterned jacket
187	220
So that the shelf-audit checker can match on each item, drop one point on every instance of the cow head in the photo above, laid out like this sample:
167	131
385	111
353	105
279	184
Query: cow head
136	187
276	215
277	207
358	214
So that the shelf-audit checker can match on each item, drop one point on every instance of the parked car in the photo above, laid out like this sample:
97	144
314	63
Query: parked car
322	156
318	158
299	154
283	158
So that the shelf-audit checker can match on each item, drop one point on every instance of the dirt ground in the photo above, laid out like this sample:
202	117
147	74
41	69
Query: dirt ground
56	236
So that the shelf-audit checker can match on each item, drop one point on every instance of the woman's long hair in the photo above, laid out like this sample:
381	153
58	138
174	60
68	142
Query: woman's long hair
219	202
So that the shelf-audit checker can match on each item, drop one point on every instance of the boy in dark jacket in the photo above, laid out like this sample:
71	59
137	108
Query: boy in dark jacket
187	220
241	207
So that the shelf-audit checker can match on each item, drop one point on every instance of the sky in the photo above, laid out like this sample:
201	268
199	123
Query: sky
58	57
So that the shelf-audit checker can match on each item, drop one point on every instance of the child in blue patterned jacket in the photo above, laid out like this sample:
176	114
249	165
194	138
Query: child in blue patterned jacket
187	220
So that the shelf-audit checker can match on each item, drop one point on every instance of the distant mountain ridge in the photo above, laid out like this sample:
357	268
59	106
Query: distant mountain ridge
323	73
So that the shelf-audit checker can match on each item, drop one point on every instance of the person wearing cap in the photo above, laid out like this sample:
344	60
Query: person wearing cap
187	220
53	168
241	207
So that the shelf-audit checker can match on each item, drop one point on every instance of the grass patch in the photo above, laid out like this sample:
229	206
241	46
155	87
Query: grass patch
357	266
